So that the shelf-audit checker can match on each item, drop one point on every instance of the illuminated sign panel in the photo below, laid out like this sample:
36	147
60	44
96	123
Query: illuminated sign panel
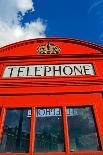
49	112
49	70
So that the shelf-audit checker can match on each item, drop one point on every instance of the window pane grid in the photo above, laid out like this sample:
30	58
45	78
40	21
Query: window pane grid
16	130
95	123
49	130
82	129
79	131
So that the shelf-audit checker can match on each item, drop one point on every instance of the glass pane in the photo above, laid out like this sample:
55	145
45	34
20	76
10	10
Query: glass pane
16	131
82	130
49	130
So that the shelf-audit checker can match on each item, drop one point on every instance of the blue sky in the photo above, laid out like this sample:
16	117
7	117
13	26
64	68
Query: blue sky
71	18
80	19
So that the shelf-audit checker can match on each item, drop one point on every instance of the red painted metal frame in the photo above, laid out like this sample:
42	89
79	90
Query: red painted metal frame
66	136
32	131
63	101
53	91
2	118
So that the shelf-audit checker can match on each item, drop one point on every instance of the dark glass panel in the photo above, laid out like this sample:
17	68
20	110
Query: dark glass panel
82	130
49	130
16	131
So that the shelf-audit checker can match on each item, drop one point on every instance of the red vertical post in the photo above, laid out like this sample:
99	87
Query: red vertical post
32	130
66	136
3	113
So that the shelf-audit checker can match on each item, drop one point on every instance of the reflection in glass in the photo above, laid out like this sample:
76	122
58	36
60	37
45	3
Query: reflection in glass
49	130
16	131
82	130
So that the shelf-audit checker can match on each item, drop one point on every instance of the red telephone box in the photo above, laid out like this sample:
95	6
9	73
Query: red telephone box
51	98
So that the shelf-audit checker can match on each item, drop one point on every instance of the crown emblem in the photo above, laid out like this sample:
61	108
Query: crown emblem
48	49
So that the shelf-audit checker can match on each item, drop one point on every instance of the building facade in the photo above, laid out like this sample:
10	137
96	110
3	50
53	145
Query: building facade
51	97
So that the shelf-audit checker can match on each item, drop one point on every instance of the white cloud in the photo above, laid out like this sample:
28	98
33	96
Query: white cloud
95	4
11	29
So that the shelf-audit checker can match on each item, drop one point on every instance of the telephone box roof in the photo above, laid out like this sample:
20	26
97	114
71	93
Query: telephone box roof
67	47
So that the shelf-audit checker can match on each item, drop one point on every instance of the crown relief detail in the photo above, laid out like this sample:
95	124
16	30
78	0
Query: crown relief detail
48	49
